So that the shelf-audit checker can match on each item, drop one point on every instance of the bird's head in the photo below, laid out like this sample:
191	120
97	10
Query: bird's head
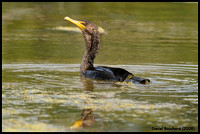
90	33
85	26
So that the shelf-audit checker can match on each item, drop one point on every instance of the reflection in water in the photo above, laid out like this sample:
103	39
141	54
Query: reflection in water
87	116
86	120
87	83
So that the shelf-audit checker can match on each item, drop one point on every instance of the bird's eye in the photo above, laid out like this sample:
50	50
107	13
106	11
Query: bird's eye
82	22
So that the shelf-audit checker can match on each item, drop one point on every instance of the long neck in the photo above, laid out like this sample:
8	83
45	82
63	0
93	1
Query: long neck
92	46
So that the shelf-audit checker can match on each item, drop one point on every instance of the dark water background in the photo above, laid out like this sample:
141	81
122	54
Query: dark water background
43	91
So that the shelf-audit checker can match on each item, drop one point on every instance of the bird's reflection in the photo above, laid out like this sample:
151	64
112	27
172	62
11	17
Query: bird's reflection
87	116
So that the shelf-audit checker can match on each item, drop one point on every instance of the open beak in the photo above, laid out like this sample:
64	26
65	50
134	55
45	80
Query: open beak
77	23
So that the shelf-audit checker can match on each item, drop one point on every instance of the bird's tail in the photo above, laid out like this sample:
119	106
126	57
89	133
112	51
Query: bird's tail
132	78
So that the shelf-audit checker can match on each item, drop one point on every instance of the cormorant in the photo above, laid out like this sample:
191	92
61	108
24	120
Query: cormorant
92	39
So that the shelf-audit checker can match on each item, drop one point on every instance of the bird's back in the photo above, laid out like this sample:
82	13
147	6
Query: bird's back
107	73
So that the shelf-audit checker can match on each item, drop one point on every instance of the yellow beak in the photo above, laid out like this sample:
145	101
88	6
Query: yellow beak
77	23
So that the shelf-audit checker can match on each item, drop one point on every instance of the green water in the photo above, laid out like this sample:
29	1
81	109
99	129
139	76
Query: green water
42	89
